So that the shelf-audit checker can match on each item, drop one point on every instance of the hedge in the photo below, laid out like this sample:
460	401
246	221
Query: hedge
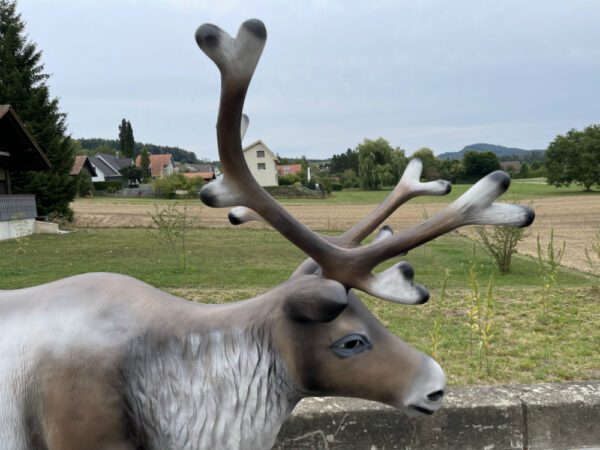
108	185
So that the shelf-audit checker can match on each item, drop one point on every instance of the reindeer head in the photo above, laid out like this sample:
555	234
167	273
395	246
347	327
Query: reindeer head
330	342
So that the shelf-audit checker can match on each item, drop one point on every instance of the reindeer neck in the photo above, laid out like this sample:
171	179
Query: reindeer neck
218	388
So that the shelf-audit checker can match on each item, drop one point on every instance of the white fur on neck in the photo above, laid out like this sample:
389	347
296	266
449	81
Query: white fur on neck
219	389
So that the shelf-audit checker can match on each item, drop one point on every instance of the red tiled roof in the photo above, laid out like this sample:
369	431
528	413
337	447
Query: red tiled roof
205	175
157	162
289	169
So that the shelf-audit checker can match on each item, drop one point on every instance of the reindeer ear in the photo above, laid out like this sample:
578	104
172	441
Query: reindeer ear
316	299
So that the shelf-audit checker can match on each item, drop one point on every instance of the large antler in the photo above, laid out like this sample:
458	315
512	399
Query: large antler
339	258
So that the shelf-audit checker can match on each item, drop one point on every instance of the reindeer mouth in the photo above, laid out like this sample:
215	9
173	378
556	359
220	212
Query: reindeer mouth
421	410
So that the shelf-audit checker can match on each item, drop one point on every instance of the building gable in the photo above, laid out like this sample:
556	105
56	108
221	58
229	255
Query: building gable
160	164
262	163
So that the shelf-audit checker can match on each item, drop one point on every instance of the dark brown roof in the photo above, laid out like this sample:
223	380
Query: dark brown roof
18	149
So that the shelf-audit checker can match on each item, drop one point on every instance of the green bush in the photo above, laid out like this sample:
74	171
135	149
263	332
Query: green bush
288	180
108	186
349	179
335	186
167	185
192	186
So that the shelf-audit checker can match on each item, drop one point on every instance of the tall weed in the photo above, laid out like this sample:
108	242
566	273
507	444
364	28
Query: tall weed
480	317
548	268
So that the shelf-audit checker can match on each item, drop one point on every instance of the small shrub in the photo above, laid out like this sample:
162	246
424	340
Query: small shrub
500	243
173	225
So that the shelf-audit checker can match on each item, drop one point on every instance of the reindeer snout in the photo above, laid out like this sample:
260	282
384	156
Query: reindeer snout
428	389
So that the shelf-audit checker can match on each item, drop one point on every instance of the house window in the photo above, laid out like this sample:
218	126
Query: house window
262	166
260	154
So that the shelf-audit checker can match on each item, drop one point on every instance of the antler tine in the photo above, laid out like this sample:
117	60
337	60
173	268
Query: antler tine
408	187
237	59
473	207
309	266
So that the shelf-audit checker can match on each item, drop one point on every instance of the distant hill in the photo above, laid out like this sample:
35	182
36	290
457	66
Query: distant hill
179	154
499	150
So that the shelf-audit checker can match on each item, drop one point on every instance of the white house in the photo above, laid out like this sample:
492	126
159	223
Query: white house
262	163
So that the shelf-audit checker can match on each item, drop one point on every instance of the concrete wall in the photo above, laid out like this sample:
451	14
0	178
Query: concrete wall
544	416
45	227
11	229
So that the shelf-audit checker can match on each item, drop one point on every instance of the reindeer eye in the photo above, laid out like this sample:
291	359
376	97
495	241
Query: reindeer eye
350	345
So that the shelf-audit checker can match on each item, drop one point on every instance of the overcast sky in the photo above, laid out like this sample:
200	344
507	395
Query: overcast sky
439	74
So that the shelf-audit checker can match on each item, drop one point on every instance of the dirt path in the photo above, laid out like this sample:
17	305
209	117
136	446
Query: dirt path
574	219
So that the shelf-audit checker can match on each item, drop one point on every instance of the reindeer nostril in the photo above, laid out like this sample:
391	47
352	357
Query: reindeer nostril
435	396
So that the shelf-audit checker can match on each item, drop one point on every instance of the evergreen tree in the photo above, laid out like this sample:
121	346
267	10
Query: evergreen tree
144	163
126	141
23	85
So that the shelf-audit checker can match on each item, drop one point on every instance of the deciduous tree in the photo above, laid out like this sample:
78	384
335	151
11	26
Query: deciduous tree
379	164
575	158
132	174
479	164
431	164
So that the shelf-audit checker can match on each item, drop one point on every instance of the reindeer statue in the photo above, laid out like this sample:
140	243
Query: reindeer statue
103	361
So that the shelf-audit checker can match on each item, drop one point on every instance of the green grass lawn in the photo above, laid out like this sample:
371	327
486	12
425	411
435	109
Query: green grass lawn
224	258
520	190
528	345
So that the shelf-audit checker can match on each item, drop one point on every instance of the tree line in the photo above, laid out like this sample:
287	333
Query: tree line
91	146
372	164
375	164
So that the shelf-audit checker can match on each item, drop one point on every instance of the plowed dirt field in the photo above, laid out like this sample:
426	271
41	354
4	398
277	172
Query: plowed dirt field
574	219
